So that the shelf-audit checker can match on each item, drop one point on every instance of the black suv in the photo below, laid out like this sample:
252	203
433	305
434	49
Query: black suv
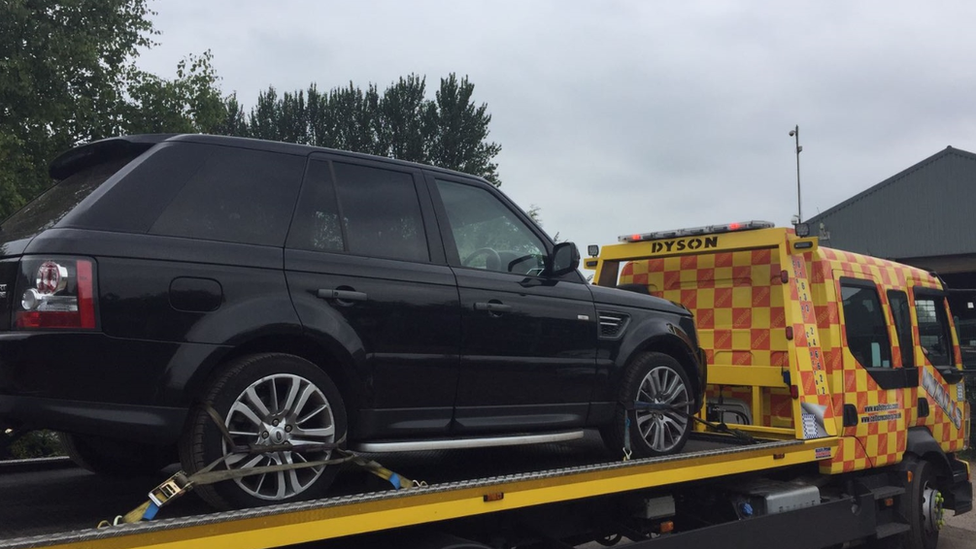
309	298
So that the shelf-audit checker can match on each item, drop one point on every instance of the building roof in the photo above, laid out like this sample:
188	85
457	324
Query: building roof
926	210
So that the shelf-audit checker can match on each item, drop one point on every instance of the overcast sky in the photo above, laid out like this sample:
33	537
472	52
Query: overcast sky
621	117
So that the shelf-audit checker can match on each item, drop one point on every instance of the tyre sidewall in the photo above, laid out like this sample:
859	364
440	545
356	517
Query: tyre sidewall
630	387
206	441
923	473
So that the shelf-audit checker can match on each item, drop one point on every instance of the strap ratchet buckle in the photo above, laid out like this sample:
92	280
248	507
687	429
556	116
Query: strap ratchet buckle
171	488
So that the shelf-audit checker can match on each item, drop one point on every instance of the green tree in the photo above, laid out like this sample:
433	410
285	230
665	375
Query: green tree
67	76
63	69
190	103
449	131
457	130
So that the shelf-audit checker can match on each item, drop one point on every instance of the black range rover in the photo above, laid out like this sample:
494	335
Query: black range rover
313	298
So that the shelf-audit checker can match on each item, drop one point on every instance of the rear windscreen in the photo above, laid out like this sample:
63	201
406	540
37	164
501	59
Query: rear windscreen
48	208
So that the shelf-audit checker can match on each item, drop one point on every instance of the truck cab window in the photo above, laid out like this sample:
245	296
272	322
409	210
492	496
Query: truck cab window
898	301
933	328
864	324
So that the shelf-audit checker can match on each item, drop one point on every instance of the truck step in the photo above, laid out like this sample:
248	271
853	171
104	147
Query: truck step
883	492
892	529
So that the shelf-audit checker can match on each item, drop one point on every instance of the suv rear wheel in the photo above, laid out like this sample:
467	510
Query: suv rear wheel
655	405
269	400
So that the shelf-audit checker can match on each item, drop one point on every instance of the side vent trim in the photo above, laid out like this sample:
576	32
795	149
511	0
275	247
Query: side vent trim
612	325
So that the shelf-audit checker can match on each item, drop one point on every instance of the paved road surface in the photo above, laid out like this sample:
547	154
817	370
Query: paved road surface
959	532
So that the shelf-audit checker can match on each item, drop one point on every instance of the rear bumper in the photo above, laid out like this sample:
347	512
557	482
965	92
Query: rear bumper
157	425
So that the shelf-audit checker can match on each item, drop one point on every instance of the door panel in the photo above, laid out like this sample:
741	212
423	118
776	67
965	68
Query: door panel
359	268
531	365
528	341
404	326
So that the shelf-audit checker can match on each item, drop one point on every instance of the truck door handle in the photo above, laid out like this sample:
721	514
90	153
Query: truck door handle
341	295
492	306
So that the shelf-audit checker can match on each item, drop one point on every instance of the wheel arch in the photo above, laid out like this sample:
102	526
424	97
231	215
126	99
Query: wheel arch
923	445
661	336
327	354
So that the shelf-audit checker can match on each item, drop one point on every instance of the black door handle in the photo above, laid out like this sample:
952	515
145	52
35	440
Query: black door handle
492	307
341	295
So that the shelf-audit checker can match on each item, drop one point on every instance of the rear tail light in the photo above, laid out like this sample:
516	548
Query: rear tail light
56	293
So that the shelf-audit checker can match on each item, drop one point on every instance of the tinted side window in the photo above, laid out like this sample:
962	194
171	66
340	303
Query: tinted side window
864	324
380	213
488	235
898	301
316	226
933	329
236	195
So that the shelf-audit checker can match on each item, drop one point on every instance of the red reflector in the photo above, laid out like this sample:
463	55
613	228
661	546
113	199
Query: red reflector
795	391
493	496
635	237
784	277
789	333
48	319
667	526
86	301
735	226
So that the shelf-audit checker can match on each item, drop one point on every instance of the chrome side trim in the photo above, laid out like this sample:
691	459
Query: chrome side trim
467	442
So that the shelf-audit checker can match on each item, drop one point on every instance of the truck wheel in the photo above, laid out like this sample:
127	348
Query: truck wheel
653	379
923	507
265	399
111	457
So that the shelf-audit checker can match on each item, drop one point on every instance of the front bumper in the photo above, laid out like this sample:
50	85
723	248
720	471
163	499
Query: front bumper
960	496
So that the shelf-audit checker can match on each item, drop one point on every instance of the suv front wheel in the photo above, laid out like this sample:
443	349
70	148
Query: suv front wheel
656	403
266	400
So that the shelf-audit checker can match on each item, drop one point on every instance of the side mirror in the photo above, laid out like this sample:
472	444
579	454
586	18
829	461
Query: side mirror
565	258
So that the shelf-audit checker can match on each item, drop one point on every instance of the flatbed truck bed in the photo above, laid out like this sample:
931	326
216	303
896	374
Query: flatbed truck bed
59	506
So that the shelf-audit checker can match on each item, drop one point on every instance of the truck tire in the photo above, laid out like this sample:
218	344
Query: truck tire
652	378
118	458
265	399
923	506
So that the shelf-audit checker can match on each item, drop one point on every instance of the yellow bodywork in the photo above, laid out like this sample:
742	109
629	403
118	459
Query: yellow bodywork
770	317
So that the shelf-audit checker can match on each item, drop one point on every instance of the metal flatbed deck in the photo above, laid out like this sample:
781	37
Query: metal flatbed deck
59	507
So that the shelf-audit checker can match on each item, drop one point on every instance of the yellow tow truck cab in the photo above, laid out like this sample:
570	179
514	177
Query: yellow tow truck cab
809	342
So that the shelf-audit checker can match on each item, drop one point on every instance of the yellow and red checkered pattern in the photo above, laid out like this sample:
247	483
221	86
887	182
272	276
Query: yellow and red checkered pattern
744	300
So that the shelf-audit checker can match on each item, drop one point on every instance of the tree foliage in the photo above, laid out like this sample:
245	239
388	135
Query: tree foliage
449	130
67	76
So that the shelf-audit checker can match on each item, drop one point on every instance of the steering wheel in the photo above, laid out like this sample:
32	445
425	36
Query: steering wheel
492	260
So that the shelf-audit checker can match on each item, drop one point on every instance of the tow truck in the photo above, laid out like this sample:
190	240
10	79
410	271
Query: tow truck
821	428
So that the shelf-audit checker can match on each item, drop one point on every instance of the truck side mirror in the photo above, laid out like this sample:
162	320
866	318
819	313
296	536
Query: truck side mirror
565	258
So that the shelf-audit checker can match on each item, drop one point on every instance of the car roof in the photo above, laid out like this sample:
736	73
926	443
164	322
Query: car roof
98	151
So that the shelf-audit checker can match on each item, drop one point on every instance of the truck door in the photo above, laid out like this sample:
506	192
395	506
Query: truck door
878	382
940	380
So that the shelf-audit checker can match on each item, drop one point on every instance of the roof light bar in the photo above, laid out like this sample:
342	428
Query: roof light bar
707	229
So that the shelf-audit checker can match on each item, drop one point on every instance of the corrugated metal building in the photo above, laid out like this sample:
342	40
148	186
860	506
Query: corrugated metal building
924	216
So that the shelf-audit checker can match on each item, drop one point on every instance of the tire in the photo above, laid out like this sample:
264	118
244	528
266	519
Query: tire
112	457
652	378
262	399
923	506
